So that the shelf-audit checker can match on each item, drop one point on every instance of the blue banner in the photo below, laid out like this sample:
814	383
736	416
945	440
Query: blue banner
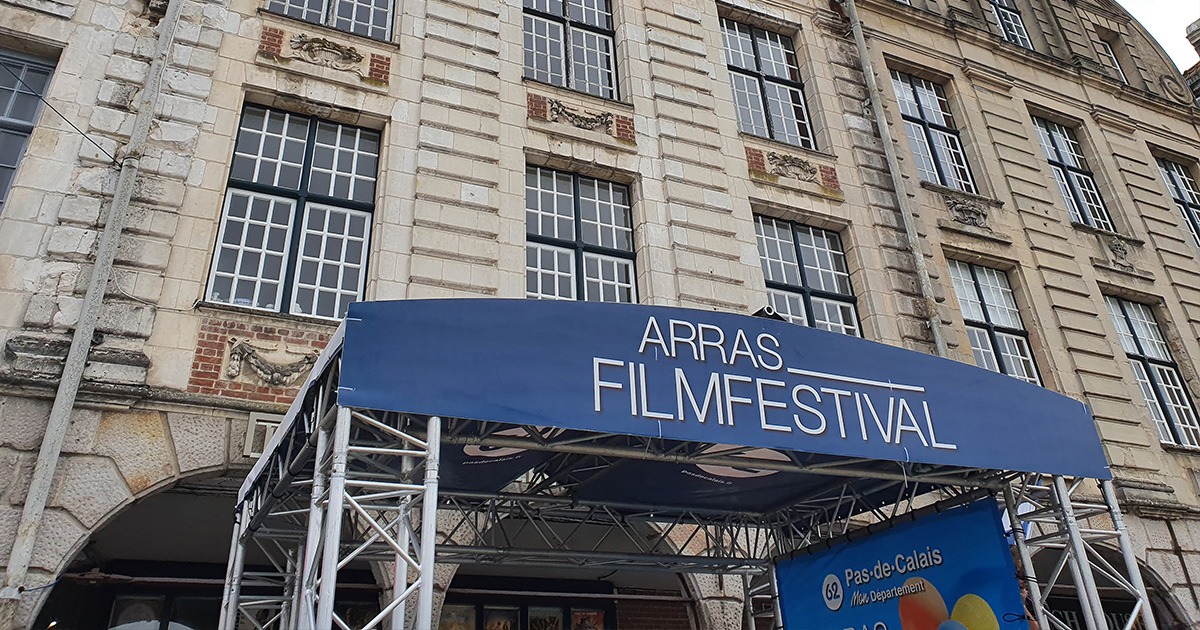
944	571
706	377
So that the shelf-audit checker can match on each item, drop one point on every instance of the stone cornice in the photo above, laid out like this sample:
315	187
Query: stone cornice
1113	119
987	76
115	396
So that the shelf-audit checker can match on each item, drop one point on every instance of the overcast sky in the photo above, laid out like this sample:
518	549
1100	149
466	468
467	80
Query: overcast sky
1167	21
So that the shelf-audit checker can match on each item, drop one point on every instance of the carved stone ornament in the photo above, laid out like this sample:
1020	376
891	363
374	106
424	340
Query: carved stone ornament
791	166
1118	247
557	110
1175	89
271	373
967	211
324	52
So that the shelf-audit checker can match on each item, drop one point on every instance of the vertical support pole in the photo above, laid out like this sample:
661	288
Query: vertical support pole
287	608
233	575
1085	582
331	548
400	568
1035	589
433	439
776	609
296	594
747	604
1131	563
304	619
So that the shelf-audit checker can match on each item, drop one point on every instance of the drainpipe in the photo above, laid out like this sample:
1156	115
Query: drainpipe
81	340
924	283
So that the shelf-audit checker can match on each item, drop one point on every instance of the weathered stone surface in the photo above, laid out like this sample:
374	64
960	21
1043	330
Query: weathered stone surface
57	539
139	442
89	488
198	440
23	422
15	468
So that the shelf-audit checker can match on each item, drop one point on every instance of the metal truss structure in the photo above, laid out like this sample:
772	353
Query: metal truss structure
1072	520
343	489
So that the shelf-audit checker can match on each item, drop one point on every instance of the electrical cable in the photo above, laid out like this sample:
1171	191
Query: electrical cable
60	115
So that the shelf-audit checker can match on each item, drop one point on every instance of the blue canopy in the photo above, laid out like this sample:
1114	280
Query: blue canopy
760	386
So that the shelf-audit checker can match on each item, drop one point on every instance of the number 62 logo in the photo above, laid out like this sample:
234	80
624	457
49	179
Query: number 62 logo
832	593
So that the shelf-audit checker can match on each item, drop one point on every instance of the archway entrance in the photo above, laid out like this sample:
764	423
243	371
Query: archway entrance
160	565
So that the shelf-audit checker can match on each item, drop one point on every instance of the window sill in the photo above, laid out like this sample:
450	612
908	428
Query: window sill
795	148
596	101
1193	451
322	28
204	306
954	192
1083	227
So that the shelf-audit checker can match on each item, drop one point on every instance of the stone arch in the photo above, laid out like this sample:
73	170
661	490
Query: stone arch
111	460
1168	612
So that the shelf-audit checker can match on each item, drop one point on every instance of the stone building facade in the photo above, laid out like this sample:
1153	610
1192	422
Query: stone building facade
304	154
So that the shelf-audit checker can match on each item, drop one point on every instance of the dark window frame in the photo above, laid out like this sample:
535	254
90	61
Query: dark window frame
330	17
805	289
302	198
1147	361
1057	161
1110	53
1013	11
807	139
992	328
928	126
19	126
578	247
1190	207
567	24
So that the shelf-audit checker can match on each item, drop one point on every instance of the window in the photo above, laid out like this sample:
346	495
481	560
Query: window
1008	18
808	281
297	216
1156	372
369	18
576	223
1184	192
571	44
23	83
929	123
998	337
1075	181
762	69
1107	51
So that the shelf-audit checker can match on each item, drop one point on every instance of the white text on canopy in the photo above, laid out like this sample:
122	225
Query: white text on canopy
779	398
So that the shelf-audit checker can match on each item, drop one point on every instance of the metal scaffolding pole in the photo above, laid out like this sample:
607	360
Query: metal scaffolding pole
429	524
1131	564
305	590
333	521
1025	571
1089	597
1067	532
233	575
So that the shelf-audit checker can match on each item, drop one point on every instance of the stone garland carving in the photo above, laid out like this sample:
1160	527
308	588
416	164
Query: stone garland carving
558	110
271	373
967	211
324	52
1118	247
792	166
